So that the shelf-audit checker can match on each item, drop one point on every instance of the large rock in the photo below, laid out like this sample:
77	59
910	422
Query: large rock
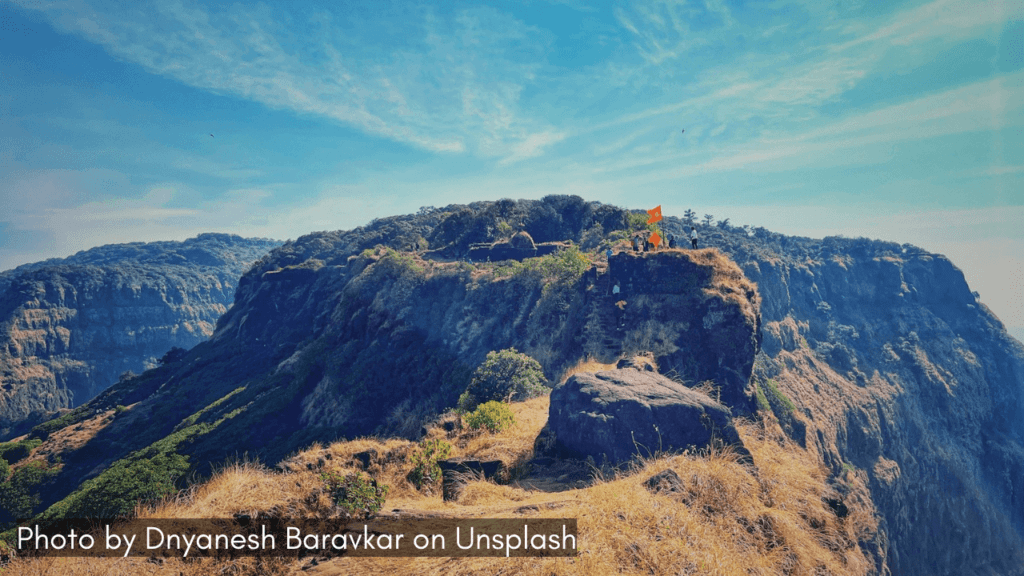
620	413
696	312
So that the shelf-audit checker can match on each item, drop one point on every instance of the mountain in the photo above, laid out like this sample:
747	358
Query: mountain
875	357
70	327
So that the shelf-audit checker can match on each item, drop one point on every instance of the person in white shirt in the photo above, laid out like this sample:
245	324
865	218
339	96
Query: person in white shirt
693	237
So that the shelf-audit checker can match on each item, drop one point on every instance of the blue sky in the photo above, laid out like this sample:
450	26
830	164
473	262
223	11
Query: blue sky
895	120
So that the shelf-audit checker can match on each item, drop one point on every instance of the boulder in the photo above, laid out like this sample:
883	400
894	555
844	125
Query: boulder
620	413
455	472
694	312
365	457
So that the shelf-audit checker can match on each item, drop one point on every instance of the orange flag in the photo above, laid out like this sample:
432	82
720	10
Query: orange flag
655	239
655	215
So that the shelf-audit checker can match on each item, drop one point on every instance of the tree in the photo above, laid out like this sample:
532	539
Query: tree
689	217
504	376
724	224
708	219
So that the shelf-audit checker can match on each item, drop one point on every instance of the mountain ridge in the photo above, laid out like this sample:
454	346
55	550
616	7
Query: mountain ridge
69	327
879	359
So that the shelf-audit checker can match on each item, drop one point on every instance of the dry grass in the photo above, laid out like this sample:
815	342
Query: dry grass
727	280
728	520
588	365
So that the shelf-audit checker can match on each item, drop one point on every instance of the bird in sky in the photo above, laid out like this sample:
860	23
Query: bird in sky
211	135
684	130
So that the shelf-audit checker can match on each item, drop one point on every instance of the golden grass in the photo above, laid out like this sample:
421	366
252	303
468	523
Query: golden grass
588	365
728	520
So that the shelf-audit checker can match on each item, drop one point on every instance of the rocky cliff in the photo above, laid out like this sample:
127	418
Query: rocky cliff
70	327
875	356
908	387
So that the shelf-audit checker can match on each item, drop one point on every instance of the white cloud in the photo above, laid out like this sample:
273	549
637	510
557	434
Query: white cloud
948	20
352	77
533	145
1003	170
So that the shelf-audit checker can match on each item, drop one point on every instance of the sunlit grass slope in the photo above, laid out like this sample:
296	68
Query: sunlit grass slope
730	519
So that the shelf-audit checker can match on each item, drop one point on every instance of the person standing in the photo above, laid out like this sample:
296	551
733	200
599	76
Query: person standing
693	236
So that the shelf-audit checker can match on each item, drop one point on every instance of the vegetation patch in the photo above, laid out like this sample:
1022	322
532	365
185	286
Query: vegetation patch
504	376
565	266
357	495
43	431
769	397
494	416
122	487
14	452
20	495
425	470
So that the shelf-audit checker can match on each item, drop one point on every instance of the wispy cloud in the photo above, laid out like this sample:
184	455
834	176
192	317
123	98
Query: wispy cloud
460	93
1004	170
532	146
950	20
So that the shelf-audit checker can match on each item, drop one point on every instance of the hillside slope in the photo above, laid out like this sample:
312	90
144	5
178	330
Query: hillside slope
70	327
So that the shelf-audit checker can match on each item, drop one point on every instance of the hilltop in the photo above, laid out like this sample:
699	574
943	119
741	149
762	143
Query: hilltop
898	392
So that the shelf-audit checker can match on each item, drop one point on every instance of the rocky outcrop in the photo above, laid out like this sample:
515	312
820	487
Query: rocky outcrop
618	414
693	310
69	328
910	390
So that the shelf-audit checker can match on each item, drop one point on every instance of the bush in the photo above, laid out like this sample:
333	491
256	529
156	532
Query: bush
359	496
120	488
16	451
504	376
425	469
20	495
494	416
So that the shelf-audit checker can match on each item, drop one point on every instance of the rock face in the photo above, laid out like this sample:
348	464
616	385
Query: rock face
909	387
694	311
69	328
621	413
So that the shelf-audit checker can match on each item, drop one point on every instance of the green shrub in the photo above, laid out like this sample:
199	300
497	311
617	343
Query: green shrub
5	468
638	222
494	416
425	469
43	431
565	266
127	483
359	496
775	394
20	494
504	376
17	451
769	397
